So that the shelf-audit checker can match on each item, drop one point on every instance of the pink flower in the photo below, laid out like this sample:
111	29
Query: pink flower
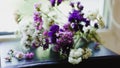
29	55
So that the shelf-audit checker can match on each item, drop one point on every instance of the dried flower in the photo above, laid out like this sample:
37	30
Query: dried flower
87	53
8	59
70	33
19	55
29	56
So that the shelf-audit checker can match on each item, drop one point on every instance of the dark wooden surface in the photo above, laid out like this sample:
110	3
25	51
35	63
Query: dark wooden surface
44	58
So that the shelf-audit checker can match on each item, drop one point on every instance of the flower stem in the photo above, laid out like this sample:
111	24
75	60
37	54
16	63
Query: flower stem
56	8
50	17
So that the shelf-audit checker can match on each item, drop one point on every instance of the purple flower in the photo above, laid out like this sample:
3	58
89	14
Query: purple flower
96	46
64	42
45	33
75	17
79	6
52	2
87	22
59	2
61	30
52	33
54	28
96	26
67	26
52	36
78	3
35	44
56	48
38	20
37	17
77	27
72	5
46	45
81	28
29	56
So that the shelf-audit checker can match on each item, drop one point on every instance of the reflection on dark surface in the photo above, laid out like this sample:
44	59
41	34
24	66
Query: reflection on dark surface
41	57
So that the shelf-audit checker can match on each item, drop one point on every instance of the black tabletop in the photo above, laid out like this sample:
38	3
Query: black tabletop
41	57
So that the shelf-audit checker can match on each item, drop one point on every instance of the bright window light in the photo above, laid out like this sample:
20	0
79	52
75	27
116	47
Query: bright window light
8	7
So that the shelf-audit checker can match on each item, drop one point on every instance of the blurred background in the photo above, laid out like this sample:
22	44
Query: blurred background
109	9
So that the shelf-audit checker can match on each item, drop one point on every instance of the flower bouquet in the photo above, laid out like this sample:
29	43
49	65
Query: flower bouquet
62	26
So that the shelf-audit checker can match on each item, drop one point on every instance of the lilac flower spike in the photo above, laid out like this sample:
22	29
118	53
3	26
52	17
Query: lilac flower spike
37	17
38	20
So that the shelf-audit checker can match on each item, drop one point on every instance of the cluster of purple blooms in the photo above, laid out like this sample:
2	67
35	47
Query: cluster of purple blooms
76	17
62	38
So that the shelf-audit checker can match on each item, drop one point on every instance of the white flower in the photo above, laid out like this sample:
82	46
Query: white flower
78	52
85	29
74	61
35	34
23	40
19	55
72	53
93	15
75	56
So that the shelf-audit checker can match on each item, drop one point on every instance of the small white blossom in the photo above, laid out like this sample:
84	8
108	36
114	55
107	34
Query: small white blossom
93	15
19	55
35	34
85	29
23	40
